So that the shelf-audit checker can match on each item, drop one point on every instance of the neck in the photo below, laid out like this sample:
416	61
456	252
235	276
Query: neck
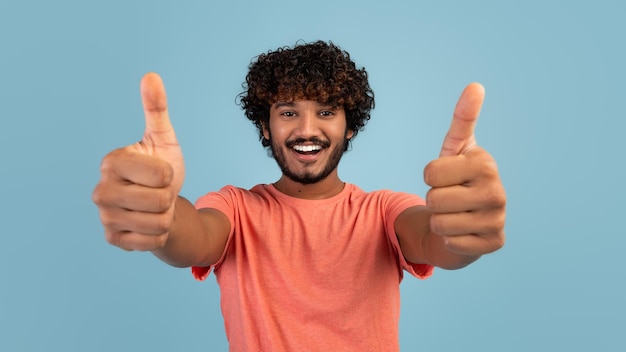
326	188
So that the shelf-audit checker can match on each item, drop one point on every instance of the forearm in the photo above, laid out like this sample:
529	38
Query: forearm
190	241
420	245
441	255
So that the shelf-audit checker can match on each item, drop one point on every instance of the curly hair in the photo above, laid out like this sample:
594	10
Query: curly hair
317	71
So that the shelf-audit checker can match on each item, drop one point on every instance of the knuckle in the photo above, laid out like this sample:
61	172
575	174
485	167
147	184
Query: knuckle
108	162
162	224
493	227
488	167
113	238
162	200
163	174
495	197
108	217
159	241
431	199
500	198
494	234
105	165
495	242
97	195
491	169
437	224
107	220
429	173
499	241
499	222
454	245
102	195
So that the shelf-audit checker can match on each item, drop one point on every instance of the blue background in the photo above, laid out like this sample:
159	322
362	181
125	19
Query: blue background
553	118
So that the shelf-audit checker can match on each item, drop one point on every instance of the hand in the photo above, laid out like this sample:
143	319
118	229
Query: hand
467	198
139	183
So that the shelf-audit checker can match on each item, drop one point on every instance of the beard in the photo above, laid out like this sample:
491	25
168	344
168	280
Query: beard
308	177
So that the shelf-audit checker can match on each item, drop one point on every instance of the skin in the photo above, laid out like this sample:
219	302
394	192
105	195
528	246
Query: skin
140	209
306	120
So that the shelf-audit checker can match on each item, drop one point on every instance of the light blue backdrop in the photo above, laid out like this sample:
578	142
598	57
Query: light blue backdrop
553	118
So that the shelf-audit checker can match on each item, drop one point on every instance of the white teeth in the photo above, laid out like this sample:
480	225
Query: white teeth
306	148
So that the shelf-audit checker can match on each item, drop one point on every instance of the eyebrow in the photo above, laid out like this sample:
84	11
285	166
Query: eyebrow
281	104
291	104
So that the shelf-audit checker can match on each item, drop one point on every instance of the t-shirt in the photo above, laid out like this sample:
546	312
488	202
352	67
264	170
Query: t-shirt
311	275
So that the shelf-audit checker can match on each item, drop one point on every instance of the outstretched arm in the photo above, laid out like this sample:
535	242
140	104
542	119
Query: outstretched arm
465	208
137	195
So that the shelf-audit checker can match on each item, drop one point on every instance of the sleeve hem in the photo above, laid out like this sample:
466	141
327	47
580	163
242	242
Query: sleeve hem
200	273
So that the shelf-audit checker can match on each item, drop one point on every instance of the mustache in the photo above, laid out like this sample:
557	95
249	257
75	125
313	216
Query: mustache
312	140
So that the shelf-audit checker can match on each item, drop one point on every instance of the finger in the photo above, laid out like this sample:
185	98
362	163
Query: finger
159	130
134	197
449	171
457	199
136	241
453	199
460	137
460	169
123	220
127	165
474	245
483	223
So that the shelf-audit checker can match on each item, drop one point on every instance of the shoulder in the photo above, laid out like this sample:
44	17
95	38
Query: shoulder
232	195
260	190
384	196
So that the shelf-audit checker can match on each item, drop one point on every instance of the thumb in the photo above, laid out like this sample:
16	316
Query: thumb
159	130
460	137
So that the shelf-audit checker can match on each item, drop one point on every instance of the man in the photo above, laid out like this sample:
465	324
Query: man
308	263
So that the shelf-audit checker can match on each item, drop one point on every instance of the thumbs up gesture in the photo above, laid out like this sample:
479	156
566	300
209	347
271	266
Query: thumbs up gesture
467	198
139	183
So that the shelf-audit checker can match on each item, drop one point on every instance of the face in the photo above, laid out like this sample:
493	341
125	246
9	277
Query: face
307	139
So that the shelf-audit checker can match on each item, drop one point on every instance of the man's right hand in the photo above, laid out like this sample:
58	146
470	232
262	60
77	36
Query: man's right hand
139	183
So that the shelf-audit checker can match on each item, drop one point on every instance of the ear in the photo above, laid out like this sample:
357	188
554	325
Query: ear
265	129
349	134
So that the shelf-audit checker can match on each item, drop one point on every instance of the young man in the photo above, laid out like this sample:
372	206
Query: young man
308	263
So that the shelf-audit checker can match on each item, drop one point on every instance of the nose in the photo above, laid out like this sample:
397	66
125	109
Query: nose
308	125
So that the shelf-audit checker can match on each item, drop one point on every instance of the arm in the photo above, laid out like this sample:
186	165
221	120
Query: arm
465	208
422	246
196	237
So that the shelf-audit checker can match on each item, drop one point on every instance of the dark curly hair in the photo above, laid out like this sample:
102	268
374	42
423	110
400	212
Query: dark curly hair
317	71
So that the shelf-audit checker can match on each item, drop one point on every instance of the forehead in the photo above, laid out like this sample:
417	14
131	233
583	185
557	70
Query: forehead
294	104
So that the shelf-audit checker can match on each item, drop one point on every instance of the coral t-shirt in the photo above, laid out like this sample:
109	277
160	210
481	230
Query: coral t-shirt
311	275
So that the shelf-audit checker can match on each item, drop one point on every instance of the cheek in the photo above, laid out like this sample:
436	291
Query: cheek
275	134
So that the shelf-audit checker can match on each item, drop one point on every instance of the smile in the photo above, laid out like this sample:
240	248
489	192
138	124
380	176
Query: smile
307	149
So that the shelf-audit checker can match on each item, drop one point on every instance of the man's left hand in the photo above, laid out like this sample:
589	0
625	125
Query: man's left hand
467	198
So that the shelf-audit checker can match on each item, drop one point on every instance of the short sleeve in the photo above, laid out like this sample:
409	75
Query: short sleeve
395	204
222	201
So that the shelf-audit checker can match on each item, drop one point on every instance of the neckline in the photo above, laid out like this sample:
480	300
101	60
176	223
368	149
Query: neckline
347	188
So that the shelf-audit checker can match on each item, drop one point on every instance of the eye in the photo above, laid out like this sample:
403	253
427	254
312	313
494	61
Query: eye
327	113
288	113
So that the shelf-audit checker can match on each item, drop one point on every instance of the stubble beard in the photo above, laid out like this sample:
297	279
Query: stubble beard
307	177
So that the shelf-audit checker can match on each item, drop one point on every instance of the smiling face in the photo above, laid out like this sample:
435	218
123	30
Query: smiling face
307	139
